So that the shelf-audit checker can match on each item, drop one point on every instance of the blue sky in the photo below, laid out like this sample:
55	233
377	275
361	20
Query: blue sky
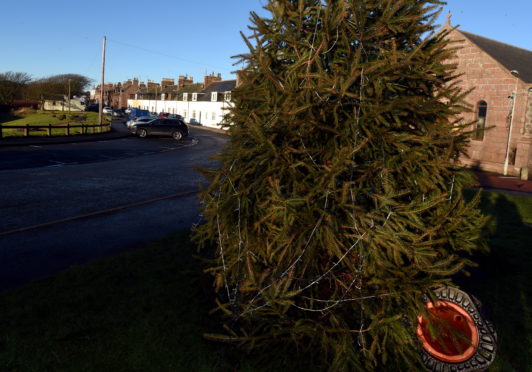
166	38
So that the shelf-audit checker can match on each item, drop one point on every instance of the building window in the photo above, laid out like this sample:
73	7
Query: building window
214	116
227	96
193	114
184	113
194	97
185	96
214	96
482	112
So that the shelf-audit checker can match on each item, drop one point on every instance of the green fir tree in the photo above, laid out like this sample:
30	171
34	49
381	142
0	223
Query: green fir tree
338	203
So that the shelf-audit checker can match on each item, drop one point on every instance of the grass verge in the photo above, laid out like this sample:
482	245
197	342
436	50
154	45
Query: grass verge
146	310
36	118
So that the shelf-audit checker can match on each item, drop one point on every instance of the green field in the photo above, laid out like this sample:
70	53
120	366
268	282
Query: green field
146	310
35	118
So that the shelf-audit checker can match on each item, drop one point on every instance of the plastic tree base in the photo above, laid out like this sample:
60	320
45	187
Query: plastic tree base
463	340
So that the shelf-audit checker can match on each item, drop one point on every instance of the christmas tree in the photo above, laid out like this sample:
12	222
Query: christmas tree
338	203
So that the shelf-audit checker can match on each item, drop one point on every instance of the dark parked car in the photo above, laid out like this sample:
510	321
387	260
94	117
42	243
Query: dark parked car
162	127
118	114
92	107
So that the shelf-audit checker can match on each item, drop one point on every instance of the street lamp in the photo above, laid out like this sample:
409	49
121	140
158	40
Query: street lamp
514	98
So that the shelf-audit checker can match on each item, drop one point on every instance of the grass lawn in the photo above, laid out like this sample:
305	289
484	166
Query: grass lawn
44	118
146	310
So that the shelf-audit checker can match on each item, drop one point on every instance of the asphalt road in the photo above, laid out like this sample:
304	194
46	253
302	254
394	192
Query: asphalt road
62	205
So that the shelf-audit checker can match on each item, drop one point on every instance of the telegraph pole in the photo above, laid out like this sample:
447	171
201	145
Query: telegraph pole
103	75
69	96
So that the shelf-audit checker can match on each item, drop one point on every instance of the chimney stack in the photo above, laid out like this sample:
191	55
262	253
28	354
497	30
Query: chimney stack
209	79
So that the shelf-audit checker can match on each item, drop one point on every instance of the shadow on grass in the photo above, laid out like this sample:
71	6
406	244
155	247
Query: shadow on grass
8	117
143	310
502	282
147	310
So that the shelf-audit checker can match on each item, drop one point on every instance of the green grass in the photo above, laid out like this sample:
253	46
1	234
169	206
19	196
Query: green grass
44	118
146	310
503	280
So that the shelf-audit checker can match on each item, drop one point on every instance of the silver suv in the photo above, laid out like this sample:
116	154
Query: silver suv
131	125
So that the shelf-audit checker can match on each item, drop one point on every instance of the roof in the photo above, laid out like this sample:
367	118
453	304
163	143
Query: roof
191	88
221	86
511	57
218	86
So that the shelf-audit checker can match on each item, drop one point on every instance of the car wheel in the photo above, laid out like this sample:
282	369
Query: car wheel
466	341
177	135
142	133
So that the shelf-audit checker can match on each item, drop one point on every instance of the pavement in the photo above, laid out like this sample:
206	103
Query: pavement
498	183
488	181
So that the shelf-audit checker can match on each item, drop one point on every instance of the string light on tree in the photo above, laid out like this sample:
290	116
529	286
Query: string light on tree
338	204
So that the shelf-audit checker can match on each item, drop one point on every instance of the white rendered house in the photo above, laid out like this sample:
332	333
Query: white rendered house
205	108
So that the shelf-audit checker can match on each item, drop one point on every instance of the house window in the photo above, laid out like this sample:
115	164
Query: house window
193	114
214	96
482	112
185	96
214	116
227	96
194	97
184	113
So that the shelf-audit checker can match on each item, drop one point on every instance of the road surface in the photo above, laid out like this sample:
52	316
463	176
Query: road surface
63	205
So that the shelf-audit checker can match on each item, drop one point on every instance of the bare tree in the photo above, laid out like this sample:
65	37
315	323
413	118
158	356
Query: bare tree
12	86
59	84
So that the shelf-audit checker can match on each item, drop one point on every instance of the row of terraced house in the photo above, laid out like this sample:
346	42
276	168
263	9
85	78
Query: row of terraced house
203	103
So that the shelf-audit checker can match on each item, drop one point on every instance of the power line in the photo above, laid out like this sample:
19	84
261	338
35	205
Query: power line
167	55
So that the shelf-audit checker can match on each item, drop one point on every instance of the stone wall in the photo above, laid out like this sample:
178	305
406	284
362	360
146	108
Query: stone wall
493	83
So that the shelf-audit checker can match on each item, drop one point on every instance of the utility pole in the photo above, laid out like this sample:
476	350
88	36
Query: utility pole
103	75
69	96
514	98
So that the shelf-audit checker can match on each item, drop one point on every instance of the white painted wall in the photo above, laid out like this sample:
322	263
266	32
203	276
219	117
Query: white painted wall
209	114
75	105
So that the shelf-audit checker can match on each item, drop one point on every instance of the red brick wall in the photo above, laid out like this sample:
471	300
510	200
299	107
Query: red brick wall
493	84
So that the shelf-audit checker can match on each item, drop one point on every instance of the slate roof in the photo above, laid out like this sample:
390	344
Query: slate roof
511	57
219	86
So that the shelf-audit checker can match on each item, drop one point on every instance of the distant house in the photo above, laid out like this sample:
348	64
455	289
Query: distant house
501	76
210	105
61	103
115	95
203	104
